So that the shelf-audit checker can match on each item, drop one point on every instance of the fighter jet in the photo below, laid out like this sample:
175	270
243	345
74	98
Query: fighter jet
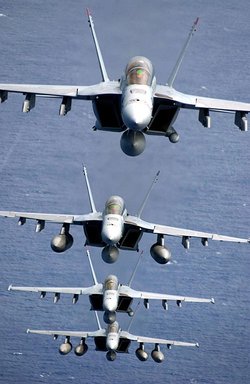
114	228
112	340
111	296
135	104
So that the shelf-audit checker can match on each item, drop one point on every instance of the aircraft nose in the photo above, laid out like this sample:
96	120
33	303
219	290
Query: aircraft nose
110	301
112	343
110	306
136	115
110	235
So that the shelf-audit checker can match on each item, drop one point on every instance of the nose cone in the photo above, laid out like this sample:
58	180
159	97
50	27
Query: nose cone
111	235
112	228
112	342
110	300
110	305
136	115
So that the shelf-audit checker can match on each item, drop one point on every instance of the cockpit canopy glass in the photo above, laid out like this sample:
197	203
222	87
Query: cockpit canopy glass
114	205
111	283
113	327
139	71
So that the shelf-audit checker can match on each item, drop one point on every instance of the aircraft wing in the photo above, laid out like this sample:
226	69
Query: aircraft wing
163	92
152	340
51	217
100	333
72	91
158	229
124	290
172	231
169	98
95	289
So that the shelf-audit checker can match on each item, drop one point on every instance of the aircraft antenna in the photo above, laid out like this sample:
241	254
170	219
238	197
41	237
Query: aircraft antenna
172	77
97	47
132	318
91	267
147	195
98	320
91	199
135	269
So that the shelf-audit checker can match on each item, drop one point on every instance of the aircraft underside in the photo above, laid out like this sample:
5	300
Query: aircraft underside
124	303
129	240
123	345
107	110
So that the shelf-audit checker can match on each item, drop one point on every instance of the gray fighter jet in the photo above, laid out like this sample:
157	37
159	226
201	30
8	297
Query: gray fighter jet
135	104
114	228
112	340
111	297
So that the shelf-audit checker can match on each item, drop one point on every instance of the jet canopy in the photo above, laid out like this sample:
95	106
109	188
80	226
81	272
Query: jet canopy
113	328
114	205
139	70
111	283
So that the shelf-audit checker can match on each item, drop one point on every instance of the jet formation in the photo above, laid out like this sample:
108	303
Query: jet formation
111	298
109	229
136	106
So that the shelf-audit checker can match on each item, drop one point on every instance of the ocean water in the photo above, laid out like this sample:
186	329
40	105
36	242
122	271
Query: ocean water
204	185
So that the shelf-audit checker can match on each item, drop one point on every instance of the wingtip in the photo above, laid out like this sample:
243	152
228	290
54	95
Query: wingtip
28	330
212	300
197	345
9	287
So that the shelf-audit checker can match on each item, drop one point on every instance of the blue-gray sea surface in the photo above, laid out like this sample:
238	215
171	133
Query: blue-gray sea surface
204	185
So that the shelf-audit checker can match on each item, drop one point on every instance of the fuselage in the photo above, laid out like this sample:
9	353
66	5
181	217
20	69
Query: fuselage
112	338
113	220
137	85
110	294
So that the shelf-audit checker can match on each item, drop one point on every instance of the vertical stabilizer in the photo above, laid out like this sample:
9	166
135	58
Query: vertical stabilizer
147	195
182	54
97	47
132	318
91	200
98	320
91	267
135	269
